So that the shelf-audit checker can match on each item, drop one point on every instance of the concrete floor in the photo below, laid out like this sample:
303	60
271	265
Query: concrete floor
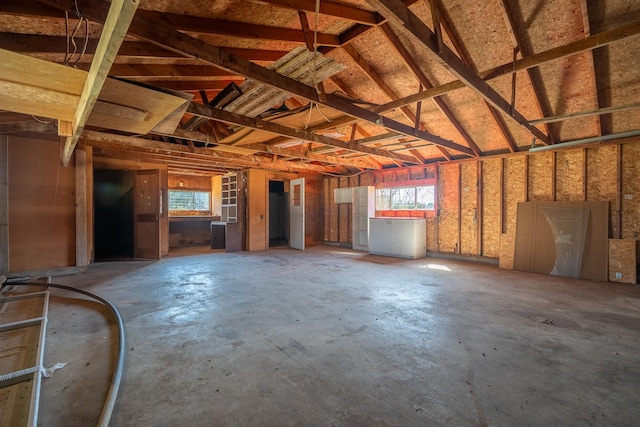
332	337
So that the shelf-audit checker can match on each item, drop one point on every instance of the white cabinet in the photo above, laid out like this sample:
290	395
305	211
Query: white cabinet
342	195
398	237
364	207
229	207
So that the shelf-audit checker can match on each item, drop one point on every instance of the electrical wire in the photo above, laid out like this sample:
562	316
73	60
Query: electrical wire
107	409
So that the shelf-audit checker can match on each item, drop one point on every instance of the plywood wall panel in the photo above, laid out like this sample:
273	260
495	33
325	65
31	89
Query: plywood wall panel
514	192
541	177
448	208
469	205
622	260
333	211
327	196
189	182
569	176
491	191
42	212
367	178
314	210
602	179
630	201
431	234
344	210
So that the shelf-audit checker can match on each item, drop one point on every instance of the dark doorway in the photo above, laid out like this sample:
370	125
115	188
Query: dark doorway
113	214
278	215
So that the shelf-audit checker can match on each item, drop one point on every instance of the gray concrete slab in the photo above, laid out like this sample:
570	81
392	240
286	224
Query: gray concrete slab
332	337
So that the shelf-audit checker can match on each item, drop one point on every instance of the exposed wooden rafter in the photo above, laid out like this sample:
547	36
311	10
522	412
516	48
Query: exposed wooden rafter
397	13
591	67
115	27
597	40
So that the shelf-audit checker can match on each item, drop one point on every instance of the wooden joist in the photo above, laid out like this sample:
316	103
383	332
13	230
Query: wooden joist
115	27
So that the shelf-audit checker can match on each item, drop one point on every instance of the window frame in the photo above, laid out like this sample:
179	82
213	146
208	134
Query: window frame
188	212
407	212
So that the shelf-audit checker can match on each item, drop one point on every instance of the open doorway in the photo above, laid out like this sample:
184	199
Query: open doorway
278	215
113	214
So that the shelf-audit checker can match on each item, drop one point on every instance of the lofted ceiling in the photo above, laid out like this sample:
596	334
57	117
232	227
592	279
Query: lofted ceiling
413	81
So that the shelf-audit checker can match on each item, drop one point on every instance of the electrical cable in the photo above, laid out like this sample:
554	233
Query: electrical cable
107	409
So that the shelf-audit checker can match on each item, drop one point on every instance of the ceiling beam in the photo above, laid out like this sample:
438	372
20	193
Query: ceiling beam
161	35
421	76
262	125
397	13
329	8
287	152
41	44
598	112
595	41
120	142
170	71
114	30
520	52
584	6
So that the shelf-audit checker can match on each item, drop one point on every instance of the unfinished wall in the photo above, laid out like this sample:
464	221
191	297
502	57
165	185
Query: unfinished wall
42	206
314	210
595	173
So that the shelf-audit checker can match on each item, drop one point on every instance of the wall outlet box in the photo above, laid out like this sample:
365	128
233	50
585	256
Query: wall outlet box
618	275
628	196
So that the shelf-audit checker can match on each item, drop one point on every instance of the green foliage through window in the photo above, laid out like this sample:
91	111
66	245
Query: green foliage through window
180	200
406	198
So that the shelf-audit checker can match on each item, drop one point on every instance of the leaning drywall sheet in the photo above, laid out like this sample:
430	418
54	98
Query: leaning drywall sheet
448	177
491	192
536	246
622	260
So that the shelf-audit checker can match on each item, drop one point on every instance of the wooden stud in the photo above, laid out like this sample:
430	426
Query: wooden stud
459	243
82	250
479	215
585	172
4	204
526	178
503	229
617	231
308	34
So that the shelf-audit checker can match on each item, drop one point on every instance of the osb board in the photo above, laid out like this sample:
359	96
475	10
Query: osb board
344	218
630	191
540	176
514	192
314	209
189	182
491	214
622	260
431	234
535	249
42	214
326	197
448	177
569	175
602	176
367	178
333	211
469	205
257	191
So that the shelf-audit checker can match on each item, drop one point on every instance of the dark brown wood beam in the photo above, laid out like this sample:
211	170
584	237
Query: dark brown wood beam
592	66
161	35
397	13
258	124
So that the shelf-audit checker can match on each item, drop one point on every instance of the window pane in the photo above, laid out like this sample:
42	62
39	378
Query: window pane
383	199
189	200
403	198
425	197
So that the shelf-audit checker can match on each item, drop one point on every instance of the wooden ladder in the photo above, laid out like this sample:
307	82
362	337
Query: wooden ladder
23	322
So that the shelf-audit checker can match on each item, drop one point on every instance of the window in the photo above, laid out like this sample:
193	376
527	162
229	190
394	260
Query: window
406	198
189	201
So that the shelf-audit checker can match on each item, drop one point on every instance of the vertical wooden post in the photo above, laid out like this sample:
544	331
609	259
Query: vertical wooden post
617	231
501	200
82	259
526	178
553	175
4	204
479	208
436	197
584	173
459	248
